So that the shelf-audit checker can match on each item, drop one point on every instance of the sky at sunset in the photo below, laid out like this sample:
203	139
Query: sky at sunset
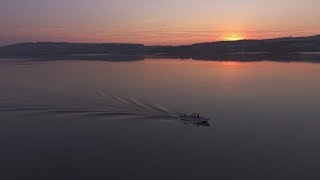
155	22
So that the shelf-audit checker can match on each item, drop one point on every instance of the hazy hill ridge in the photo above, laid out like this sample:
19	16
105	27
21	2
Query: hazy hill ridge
275	46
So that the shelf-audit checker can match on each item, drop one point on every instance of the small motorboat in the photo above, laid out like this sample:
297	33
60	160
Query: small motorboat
194	119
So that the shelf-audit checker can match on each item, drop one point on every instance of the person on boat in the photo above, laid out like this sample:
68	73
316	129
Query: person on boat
198	115
185	115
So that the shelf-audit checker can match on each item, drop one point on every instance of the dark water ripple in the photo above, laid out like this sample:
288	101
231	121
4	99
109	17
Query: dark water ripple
110	106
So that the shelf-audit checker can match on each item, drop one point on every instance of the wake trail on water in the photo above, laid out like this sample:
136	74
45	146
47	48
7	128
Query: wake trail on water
105	105
138	107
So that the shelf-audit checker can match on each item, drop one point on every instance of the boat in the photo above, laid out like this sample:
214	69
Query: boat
194	119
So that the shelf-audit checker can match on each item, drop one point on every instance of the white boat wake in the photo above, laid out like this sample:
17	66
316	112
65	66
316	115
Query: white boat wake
108	106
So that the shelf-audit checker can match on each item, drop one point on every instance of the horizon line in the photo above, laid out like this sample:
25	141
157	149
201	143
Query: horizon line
280	37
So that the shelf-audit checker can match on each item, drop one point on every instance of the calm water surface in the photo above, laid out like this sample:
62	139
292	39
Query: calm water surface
106	120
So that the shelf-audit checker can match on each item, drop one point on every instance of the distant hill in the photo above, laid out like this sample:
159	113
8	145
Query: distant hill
60	49
209	50
275	46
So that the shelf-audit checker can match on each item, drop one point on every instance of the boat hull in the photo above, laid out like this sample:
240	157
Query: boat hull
195	120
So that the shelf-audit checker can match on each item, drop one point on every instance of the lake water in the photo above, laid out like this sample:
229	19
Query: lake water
118	120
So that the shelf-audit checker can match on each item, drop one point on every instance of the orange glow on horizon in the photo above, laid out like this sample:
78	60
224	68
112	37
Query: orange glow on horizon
231	63
233	37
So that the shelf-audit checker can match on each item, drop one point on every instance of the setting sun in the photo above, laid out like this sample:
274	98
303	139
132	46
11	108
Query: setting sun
232	37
